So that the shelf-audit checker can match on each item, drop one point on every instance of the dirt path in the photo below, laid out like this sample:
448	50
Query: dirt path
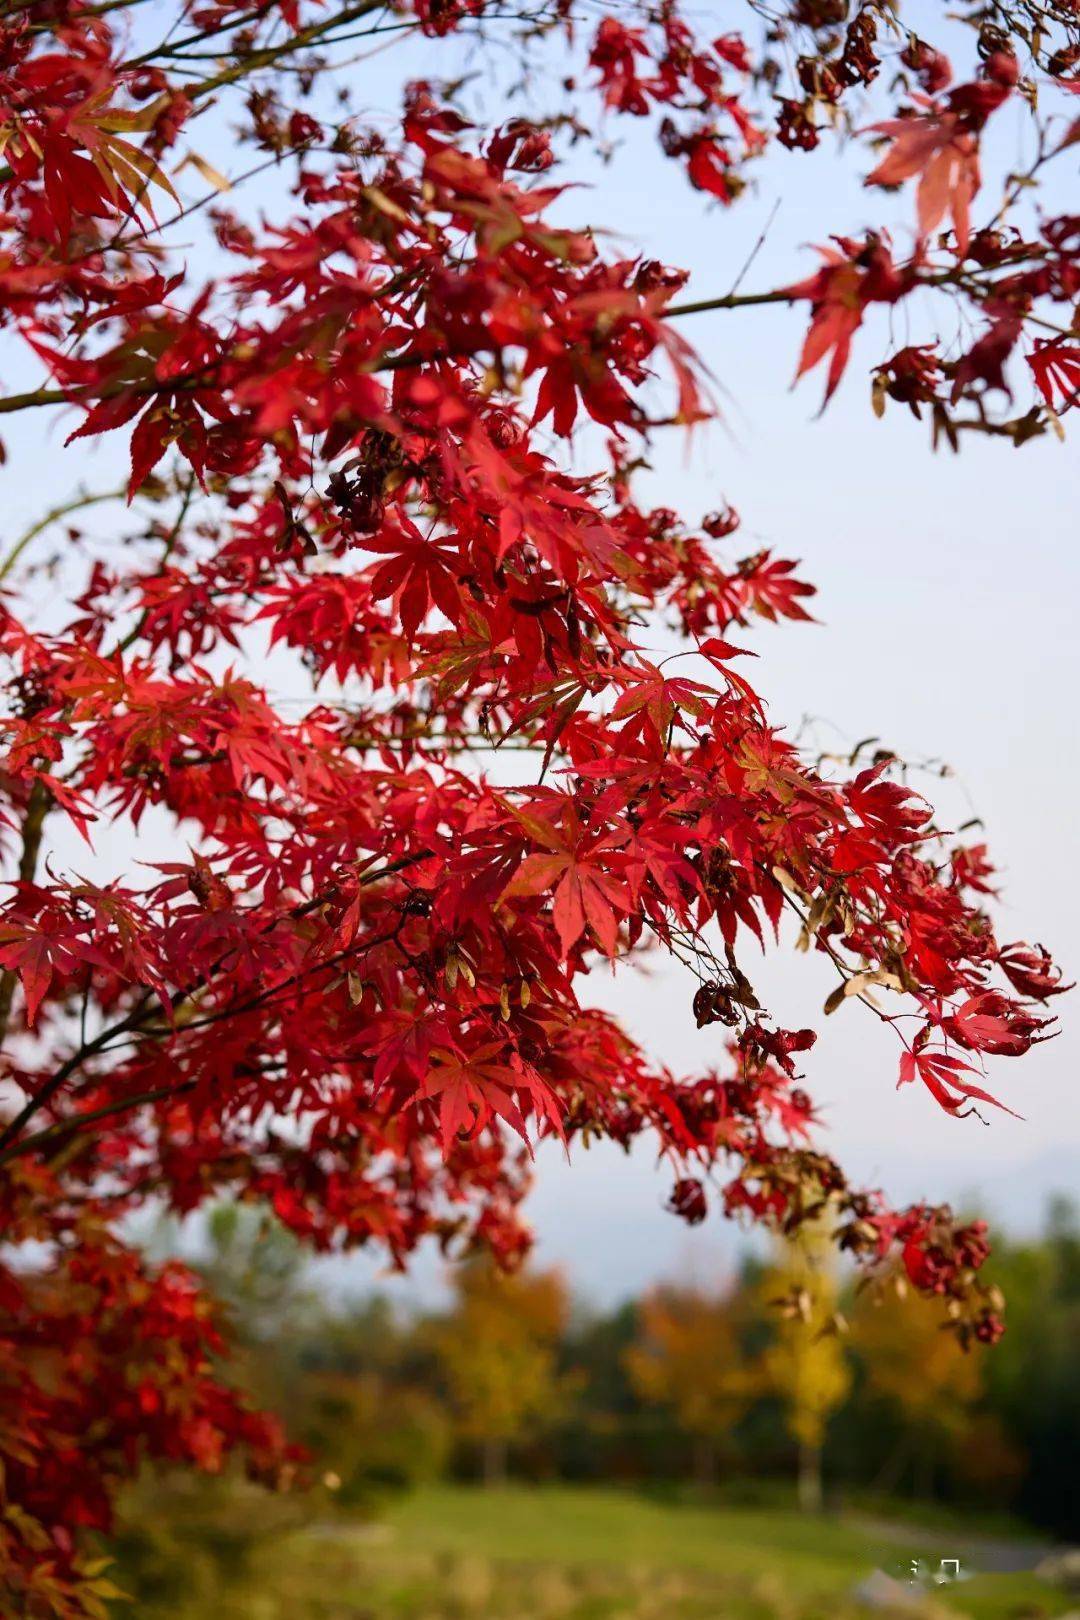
992	1555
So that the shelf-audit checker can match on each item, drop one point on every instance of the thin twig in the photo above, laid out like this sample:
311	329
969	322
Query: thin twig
57	512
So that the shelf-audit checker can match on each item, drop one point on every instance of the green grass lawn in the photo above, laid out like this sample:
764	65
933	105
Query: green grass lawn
566	1553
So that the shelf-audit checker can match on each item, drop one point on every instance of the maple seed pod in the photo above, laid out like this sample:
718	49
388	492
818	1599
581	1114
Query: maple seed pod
210	890
688	1201
714	866
713	1004
819	13
366	510
721	523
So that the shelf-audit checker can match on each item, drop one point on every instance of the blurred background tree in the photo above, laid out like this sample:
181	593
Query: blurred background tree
497	1353
919	1371
806	1365
690	1359
510	1380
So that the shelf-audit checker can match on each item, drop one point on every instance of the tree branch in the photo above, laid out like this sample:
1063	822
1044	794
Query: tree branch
11	1149
75	505
273	53
132	1021
729	301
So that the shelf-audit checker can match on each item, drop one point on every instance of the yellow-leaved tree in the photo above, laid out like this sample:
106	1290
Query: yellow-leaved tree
806	1364
688	1357
498	1349
922	1372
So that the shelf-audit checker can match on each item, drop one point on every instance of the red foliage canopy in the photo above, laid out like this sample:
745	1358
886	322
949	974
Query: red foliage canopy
353	989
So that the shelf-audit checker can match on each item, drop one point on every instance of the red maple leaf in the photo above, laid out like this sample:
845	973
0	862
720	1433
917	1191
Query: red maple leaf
945	1077
586	894
854	275
1055	365
418	574
471	1090
944	152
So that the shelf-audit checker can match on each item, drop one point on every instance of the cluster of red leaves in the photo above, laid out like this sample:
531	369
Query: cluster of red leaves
640	68
103	1363
356	997
1017	283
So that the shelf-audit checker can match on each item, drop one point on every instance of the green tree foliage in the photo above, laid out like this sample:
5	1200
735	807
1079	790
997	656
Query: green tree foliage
1033	1386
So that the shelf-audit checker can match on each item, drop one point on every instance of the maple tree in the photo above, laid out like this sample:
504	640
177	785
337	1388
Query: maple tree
351	991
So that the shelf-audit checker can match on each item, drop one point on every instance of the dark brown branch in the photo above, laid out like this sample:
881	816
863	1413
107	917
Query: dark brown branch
729	301
135	1019
273	53
268	997
71	1127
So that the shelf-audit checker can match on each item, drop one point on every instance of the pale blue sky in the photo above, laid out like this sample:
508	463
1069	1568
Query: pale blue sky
948	599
